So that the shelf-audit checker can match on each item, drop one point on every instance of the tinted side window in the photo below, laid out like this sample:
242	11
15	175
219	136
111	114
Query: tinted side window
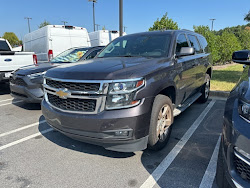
204	44
4	46
194	43
181	42
93	54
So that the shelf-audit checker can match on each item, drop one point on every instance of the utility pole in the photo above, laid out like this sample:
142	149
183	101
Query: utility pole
64	22
28	22
125	29
97	26
121	17
94	1
212	24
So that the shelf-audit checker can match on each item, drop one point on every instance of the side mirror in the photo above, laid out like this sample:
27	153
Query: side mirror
185	51
242	57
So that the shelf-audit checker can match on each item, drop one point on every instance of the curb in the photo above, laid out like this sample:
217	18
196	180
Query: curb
223	94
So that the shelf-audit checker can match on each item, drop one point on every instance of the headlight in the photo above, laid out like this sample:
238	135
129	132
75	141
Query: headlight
122	94
36	75
244	110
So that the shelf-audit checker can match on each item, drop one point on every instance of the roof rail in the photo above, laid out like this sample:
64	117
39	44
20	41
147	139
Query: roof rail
187	30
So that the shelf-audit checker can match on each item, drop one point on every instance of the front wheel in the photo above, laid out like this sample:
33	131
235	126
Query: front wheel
160	123
205	89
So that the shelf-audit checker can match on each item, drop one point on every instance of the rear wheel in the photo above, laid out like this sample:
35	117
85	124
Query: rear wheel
161	121
205	89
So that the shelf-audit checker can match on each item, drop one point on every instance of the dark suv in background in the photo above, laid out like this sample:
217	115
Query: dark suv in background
125	99
233	168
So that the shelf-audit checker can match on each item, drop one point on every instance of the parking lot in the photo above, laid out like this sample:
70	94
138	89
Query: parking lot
34	155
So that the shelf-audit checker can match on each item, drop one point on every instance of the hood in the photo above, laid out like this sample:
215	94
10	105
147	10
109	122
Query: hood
107	68
32	69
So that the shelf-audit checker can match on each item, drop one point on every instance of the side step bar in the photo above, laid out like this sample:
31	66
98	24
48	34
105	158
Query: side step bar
179	109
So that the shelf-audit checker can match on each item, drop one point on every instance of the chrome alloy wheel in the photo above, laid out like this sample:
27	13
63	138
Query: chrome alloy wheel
164	122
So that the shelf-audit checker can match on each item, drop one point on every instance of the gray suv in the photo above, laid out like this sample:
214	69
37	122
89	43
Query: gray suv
125	99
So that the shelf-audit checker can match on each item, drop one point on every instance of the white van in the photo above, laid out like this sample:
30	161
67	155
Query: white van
103	37
51	40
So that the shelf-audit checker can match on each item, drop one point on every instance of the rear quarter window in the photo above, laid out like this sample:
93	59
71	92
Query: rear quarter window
4	46
204	44
195	44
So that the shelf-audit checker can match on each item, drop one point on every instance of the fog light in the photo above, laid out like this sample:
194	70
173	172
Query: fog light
121	133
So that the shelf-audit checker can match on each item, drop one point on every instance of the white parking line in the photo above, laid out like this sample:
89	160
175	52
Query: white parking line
25	139
208	178
10	103
6	100
22	128
158	172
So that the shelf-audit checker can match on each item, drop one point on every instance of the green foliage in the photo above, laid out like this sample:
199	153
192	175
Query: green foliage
228	43
164	23
43	24
244	38
235	30
247	17
12	38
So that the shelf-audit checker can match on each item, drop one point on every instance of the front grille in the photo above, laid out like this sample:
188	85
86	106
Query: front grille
72	104
242	168
17	81
87	87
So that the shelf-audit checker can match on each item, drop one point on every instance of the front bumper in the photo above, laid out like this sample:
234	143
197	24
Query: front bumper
235	137
27	90
99	129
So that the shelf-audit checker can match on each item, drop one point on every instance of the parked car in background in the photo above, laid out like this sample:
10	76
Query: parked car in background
26	82
51	40
233	167
103	37
126	98
11	60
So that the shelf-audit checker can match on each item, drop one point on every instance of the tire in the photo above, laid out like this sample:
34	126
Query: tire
220	171
160	123
205	89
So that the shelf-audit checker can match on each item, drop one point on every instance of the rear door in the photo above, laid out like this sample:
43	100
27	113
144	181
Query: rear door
184	66
197	71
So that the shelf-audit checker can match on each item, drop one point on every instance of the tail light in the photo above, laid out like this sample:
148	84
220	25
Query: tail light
34	59
50	55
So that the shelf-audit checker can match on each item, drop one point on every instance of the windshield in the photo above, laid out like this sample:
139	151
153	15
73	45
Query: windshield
70	55
144	45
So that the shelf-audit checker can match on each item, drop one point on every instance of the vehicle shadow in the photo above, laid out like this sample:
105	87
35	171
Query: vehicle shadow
28	106
4	88
66	142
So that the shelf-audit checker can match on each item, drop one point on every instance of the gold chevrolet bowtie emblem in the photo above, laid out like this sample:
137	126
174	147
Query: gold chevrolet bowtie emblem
62	93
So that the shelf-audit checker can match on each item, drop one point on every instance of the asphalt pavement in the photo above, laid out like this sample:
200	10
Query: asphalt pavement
34	155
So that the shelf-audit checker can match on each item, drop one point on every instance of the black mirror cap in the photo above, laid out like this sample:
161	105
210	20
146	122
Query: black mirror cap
242	57
185	51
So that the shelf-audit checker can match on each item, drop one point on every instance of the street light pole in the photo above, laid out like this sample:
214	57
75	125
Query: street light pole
94	1
121	17
125	29
212	23
64	22
28	22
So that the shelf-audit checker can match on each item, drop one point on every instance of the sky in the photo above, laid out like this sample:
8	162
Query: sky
139	15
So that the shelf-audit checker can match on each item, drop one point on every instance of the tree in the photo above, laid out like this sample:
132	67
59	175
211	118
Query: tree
228	43
43	24
12	38
244	39
164	23
247	17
